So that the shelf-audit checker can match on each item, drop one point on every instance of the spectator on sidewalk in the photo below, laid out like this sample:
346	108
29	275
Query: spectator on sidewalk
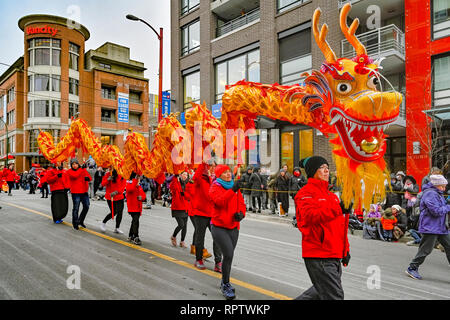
426	179
256	184
272	193
245	185
402	221
433	223
393	194
282	185
388	220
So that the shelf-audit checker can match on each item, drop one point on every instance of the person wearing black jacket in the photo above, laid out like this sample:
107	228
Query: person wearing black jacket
393	197
296	182
256	184
245	185
282	185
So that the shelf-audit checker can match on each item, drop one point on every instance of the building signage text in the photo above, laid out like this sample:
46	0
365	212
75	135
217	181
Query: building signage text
45	29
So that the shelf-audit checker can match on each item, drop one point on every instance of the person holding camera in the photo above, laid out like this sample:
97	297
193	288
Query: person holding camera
228	210
79	179
324	230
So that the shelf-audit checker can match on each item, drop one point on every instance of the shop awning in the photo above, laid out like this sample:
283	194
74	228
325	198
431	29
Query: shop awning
441	114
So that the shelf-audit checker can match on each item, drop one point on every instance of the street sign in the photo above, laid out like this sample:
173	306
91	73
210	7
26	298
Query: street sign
165	103
123	107
216	110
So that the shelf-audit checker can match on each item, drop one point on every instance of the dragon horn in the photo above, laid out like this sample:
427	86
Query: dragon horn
320	38
349	33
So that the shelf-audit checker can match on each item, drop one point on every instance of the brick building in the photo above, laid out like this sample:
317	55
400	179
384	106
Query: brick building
215	43
56	80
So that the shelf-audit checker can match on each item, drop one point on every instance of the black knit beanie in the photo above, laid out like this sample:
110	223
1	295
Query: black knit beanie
312	164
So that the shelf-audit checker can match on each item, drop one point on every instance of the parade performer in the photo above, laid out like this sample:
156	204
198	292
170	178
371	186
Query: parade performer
78	179
10	176
179	207
57	180
227	211
324	230
433	223
202	210
135	196
115	187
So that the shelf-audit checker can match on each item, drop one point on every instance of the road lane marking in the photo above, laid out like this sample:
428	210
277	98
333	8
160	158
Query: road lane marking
182	263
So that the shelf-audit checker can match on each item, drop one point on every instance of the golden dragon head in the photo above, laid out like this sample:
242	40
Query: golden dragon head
359	111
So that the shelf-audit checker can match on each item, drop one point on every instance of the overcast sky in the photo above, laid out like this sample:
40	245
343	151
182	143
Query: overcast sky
105	20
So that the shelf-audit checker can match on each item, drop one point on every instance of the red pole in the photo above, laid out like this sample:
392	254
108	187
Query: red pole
160	73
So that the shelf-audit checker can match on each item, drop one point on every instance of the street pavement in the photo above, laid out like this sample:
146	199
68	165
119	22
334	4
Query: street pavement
41	260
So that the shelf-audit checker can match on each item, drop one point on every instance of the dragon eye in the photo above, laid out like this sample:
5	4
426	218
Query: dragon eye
373	83
344	88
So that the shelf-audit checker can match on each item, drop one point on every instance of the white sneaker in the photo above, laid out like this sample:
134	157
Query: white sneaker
103	226
118	231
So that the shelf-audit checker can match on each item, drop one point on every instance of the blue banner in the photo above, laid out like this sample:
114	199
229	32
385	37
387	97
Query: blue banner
183	119
123	108
216	110
165	103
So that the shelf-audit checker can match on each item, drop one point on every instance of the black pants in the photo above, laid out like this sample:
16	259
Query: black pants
59	205
182	226
10	186
118	210
325	275
201	223
227	240
134	229
195	228
44	190
426	246
254	203
283	197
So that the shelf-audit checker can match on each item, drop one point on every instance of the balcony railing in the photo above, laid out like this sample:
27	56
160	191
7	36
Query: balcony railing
238	22
378	42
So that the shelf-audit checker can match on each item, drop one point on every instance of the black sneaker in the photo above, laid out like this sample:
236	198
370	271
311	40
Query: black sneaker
75	226
82	225
137	241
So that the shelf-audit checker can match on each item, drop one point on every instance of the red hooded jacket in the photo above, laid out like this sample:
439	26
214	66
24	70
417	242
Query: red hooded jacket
56	183
76	180
321	222
134	190
225	204
111	186
178	200
189	195
9	175
201	203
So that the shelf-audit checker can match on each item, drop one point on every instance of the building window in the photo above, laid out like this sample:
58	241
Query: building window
73	86
135	97
105	66
44	52
11	117
56	83
107	140
441	18
295	57
56	107
73	109
243	67
108	92
188	6
12	143
41	82
135	119
74	54
10	95
441	81
190	38
108	115
41	108
284	5
191	89
33	144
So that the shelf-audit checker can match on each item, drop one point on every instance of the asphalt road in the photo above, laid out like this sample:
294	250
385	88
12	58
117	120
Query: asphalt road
41	260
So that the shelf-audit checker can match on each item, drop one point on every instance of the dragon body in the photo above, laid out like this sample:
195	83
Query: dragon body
343	100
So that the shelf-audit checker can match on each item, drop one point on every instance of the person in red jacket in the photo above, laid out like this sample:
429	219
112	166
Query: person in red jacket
179	207
56	179
10	176
189	194
201	210
324	229
228	210
115	187
135	197
43	184
78	179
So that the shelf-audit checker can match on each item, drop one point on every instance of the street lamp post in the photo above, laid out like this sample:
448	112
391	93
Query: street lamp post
160	38
6	140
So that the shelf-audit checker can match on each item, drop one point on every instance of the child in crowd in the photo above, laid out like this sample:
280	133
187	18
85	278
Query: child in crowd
388	222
